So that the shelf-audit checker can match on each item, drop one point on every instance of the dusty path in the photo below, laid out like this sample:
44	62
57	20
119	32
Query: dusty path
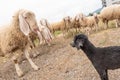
62	62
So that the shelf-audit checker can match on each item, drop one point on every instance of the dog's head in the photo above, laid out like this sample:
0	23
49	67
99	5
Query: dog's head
79	41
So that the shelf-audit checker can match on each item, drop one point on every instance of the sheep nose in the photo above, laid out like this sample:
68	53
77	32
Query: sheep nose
72	44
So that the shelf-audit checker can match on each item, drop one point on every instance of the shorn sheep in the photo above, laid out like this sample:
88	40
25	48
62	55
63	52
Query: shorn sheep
102	58
45	32
109	13
14	38
67	23
45	22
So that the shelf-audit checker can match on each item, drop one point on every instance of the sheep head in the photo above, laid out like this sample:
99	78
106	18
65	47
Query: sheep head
99	17
96	17
67	19
76	21
79	17
43	22
27	21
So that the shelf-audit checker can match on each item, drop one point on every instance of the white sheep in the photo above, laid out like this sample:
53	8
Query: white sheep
14	37
45	31
109	13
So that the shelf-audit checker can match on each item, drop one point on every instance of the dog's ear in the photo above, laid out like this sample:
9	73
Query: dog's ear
75	37
81	37
24	27
85	37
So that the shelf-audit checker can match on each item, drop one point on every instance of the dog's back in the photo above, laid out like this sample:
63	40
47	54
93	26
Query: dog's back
110	57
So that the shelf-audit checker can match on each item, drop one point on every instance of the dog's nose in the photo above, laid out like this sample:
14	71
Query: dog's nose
72	44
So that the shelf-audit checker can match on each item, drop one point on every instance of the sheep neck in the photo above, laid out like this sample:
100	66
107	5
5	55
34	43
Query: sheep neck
15	23
89	49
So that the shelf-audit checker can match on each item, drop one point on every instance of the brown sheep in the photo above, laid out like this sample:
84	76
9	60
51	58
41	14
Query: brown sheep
76	23
32	37
67	23
89	22
57	26
14	37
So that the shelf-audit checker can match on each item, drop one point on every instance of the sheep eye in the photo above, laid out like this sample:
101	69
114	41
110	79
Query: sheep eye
25	17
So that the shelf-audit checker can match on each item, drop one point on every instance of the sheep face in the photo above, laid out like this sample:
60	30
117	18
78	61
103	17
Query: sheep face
79	41
43	22
27	21
30	19
67	19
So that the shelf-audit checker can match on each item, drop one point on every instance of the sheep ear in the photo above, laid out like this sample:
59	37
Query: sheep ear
13	16
95	15
98	16
24	27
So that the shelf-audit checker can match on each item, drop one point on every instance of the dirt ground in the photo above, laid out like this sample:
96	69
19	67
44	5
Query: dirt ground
62	62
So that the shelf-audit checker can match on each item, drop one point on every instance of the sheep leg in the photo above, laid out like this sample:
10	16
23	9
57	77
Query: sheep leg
79	29
64	33
106	24
35	67
40	37
47	35
88	31
48	38
17	67
31	42
96	27
76	30
117	22
17	54
50	34
103	74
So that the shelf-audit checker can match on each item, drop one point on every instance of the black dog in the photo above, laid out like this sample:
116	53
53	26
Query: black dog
101	58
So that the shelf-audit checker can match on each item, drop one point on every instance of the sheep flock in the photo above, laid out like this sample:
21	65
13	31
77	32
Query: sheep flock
88	24
19	36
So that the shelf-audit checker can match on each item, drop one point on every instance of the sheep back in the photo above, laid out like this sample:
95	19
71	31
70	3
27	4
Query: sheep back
110	12
11	38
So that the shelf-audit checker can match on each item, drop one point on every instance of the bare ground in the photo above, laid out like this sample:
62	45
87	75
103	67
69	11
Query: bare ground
62	62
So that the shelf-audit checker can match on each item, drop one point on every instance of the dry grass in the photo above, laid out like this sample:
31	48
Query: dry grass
56	33
100	28
62	62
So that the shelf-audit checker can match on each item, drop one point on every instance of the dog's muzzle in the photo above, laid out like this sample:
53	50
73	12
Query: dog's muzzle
72	44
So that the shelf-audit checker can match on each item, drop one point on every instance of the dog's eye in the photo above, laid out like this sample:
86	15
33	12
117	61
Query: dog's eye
79	39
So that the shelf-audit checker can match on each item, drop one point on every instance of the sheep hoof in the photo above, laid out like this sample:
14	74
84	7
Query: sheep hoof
20	73
36	68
